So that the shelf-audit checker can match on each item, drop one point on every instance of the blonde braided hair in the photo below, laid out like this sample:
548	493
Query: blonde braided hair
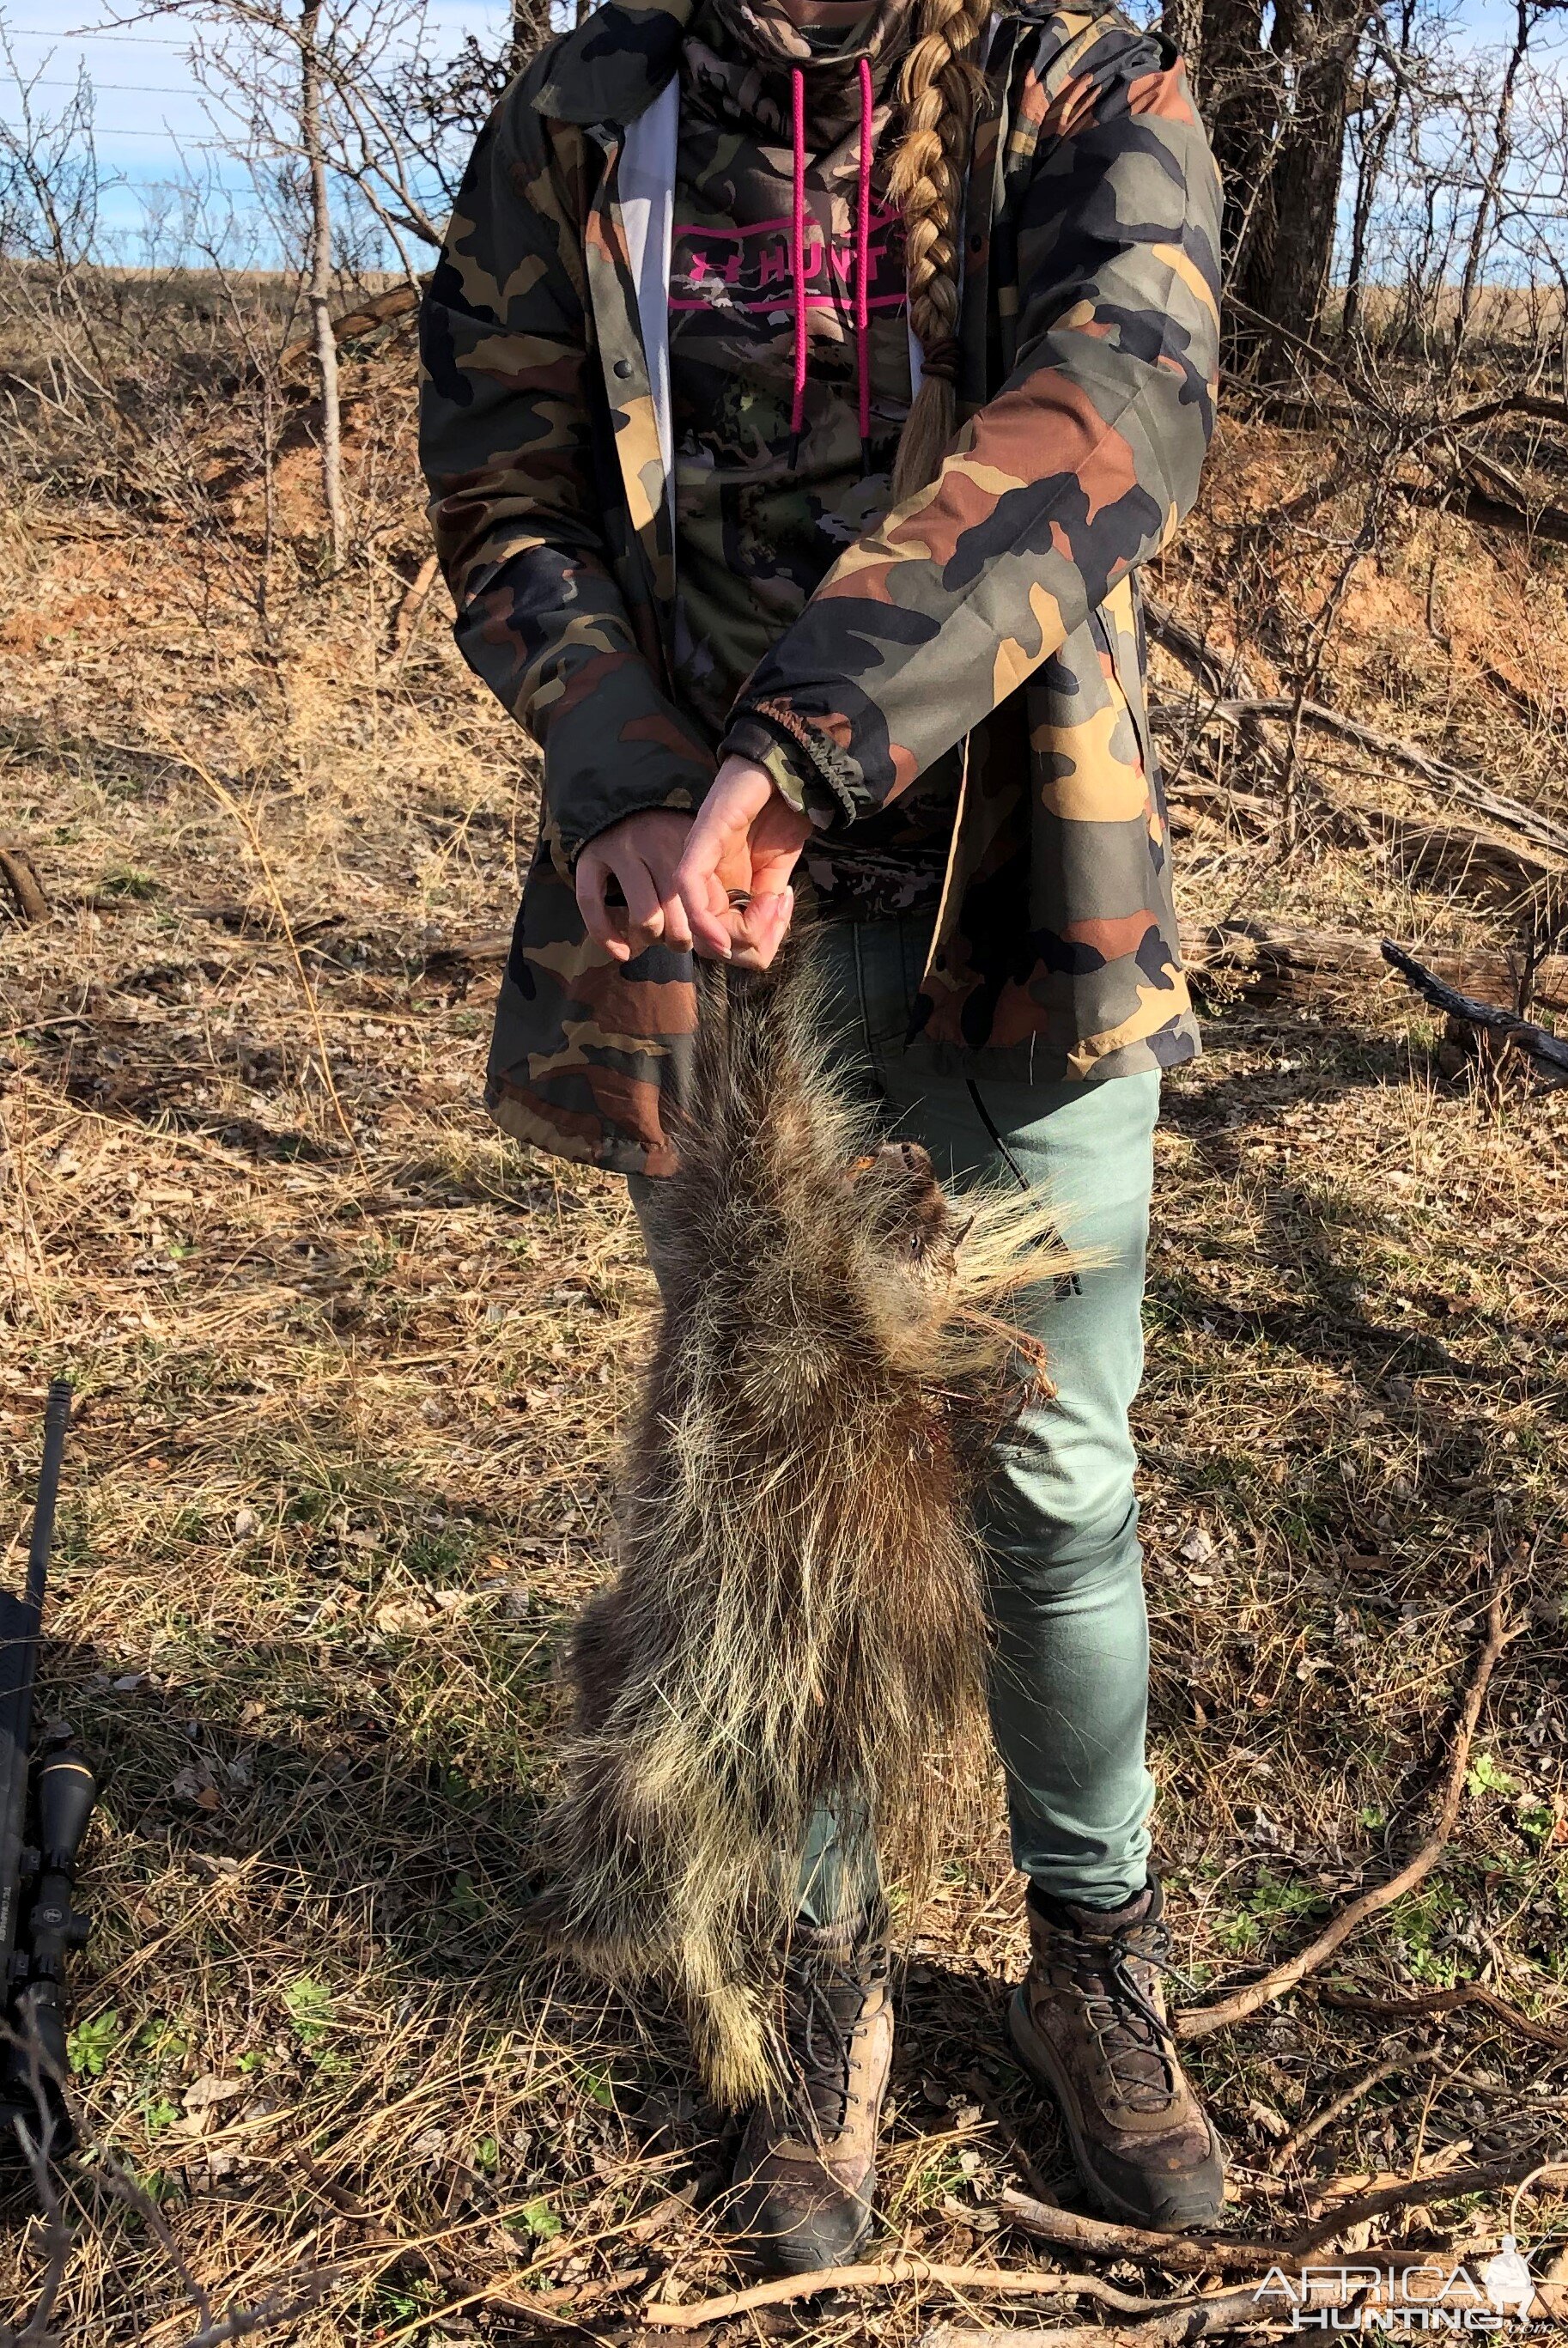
941	86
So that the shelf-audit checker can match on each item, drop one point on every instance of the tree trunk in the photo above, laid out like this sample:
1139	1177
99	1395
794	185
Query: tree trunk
1377	136
1501	154
1181	21
1240	109
320	293
1306	176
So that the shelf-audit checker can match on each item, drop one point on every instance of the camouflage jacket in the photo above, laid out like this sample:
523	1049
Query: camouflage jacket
997	608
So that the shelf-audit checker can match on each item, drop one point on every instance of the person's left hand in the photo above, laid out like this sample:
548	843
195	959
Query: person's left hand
747	838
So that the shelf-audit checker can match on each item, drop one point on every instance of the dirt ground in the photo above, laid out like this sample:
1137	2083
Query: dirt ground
350	1373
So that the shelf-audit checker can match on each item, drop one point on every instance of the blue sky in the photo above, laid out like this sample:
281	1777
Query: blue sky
151	124
151	121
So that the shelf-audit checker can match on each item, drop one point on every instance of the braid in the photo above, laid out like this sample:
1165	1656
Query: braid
941	86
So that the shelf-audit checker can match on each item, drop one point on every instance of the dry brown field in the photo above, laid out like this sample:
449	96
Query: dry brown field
351	1371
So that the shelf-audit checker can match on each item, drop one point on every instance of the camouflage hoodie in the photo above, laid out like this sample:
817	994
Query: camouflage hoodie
774	476
997	610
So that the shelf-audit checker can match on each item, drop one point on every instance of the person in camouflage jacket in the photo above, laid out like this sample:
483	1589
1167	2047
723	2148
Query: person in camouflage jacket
1001	611
693	305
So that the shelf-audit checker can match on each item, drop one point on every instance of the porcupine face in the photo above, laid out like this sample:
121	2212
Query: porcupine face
910	1227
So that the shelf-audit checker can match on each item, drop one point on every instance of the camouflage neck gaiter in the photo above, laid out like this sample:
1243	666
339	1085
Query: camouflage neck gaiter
739	55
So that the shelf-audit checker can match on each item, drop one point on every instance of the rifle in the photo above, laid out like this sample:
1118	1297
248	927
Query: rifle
53	1799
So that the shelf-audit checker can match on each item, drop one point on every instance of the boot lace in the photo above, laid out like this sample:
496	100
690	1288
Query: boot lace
1112	1975
825	1996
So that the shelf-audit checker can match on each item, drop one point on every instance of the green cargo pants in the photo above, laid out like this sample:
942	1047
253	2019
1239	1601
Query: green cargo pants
1069	1681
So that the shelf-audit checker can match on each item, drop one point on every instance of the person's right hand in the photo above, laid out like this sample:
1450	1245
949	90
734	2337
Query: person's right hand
641	852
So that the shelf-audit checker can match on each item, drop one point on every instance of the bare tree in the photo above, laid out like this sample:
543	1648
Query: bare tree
1527	13
1385	90
321	280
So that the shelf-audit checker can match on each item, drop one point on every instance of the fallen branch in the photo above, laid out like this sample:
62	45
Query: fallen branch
1414	2192
20	875
396	302
412	603
1099	2237
1522	1035
1310	2130
1217	672
1274	961
1188	2254
1065	2230
1431	2003
1172	2319
1003	2282
1203	2020
1540	828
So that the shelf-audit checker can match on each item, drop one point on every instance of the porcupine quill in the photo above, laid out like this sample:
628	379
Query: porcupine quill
796	1621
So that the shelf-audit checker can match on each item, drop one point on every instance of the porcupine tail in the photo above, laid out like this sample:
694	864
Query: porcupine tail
796	1626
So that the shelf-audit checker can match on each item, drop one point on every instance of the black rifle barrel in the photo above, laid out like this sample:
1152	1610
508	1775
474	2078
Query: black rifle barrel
56	1418
21	1621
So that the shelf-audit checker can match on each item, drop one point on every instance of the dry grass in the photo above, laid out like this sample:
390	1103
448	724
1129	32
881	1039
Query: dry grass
351	1373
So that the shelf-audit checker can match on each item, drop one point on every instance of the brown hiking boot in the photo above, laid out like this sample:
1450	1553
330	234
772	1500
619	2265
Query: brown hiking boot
1090	2023
807	2166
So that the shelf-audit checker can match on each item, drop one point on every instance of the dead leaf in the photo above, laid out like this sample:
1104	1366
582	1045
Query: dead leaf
1264	2116
202	2094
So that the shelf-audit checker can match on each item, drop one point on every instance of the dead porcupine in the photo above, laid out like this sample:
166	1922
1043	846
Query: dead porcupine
797	1622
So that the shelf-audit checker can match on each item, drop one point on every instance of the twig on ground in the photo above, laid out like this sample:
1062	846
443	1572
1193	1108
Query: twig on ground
1513	813
1189	2254
1203	2020
1069	2230
1065	2230
412	603
1311	2129
1522	1034
20	875
1411	2192
1429	2003
881	2275
1184	2318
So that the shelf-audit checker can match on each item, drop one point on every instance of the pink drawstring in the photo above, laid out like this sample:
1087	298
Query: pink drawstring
862	264
863	268
798	404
